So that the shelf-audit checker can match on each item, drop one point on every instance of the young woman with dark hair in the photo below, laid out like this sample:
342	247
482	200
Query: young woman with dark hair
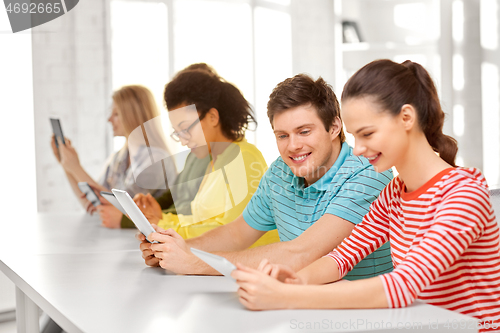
438	217
186	183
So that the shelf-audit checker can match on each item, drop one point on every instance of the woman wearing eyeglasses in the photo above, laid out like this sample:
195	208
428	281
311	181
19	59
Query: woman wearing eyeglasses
186	183
210	116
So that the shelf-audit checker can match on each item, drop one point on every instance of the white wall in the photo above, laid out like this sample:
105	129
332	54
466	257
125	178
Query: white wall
460	48
71	81
17	142
313	39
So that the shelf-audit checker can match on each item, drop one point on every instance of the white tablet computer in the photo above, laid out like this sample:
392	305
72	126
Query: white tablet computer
135	214
112	200
220	264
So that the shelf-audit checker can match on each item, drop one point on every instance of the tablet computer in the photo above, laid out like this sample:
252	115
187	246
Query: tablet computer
89	193
220	264
57	129
135	214
112	200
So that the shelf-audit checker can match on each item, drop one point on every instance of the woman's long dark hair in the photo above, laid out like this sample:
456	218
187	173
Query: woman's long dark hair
207	90
394	85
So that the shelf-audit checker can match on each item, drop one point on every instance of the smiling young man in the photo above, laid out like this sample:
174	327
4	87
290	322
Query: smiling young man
313	194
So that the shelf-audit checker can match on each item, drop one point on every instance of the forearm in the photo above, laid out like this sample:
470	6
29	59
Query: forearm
360	294
288	253
80	175
317	241
223	238
76	190
323	270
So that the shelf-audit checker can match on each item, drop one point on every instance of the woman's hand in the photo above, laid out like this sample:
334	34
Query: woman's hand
110	216
88	206
149	207
258	290
280	272
55	150
69	156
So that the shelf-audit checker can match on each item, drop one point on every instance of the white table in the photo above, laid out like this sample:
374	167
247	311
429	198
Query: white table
91	279
62	233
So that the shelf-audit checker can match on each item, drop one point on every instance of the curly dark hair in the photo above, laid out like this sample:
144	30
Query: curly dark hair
206	90
200	66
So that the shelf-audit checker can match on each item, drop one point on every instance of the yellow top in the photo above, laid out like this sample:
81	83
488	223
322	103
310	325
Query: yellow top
225	191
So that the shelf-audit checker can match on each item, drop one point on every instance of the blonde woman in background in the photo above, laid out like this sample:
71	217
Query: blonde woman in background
132	107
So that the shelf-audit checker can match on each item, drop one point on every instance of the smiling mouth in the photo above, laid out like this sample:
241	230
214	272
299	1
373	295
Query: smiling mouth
300	158
373	158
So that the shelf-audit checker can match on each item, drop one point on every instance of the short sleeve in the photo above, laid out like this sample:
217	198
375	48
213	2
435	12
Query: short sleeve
258	213
352	201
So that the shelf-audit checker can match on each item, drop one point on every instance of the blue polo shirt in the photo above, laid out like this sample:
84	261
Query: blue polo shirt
346	190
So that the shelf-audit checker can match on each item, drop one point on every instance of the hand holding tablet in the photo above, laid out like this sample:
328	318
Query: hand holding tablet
135	214
220	264
89	193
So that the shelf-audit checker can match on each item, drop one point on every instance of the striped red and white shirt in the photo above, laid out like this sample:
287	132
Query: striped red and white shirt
444	241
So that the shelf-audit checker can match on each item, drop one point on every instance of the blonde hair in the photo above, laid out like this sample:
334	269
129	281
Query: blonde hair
136	105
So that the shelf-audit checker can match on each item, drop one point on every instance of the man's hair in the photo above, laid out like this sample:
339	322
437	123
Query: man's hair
302	90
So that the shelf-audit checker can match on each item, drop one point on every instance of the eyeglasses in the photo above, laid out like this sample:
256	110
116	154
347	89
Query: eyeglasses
184	134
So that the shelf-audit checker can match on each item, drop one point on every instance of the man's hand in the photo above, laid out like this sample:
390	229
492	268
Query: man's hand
110	216
149	207
173	253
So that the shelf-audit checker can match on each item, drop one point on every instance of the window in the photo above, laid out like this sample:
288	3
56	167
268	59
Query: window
139	47
247	42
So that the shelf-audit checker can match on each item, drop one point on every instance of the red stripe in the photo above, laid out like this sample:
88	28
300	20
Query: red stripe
408	267
445	244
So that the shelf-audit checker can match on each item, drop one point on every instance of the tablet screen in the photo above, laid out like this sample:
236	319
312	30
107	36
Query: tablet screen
57	129
112	200
220	264
135	214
